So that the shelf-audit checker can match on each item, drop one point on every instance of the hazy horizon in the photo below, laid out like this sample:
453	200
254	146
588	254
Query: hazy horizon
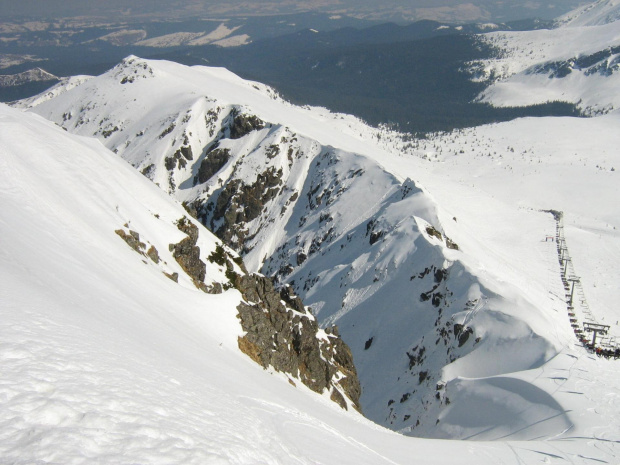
406	10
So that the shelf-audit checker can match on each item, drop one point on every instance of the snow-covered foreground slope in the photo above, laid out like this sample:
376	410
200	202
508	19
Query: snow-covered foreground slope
106	360
578	62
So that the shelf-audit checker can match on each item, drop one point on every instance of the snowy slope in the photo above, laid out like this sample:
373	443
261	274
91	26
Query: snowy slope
593	14
105	360
32	75
567	164
97	341
577	62
300	192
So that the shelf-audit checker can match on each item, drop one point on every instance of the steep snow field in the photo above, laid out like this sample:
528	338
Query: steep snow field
105	360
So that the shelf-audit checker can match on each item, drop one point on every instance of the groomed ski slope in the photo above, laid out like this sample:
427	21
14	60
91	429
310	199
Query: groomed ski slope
105	360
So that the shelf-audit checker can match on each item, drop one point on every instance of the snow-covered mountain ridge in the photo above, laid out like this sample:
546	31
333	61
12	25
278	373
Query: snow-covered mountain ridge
593	14
32	75
577	62
90	327
252	180
322	201
107	360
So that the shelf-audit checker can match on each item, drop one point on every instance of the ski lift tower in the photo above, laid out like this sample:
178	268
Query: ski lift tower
565	270
573	280
596	329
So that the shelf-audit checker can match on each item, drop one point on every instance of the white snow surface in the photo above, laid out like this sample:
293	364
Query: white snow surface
527	378
592	14
526	69
105	360
221	36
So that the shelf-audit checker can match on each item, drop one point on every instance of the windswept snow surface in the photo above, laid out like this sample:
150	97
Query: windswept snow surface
105	360
593	14
578	62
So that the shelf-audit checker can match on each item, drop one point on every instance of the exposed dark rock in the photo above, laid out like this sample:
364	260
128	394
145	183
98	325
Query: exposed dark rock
375	236
187	253
174	276
272	151
462	333
239	203
215	288
212	163
288	295
167	131
218	256
192	208
153	254
440	275
337	397
368	343
281	334
244	124
416	357
185	152
149	171
189	228
301	257
178	159
431	231
132	239
451	244
108	132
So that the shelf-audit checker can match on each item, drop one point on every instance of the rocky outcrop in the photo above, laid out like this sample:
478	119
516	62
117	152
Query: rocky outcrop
280	333
244	124
187	253
238	204
212	163
132	239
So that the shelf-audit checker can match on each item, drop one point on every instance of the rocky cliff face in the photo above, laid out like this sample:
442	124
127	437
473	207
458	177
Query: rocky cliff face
280	333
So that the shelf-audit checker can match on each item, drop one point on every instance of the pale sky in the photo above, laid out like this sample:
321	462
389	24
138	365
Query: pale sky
446	10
